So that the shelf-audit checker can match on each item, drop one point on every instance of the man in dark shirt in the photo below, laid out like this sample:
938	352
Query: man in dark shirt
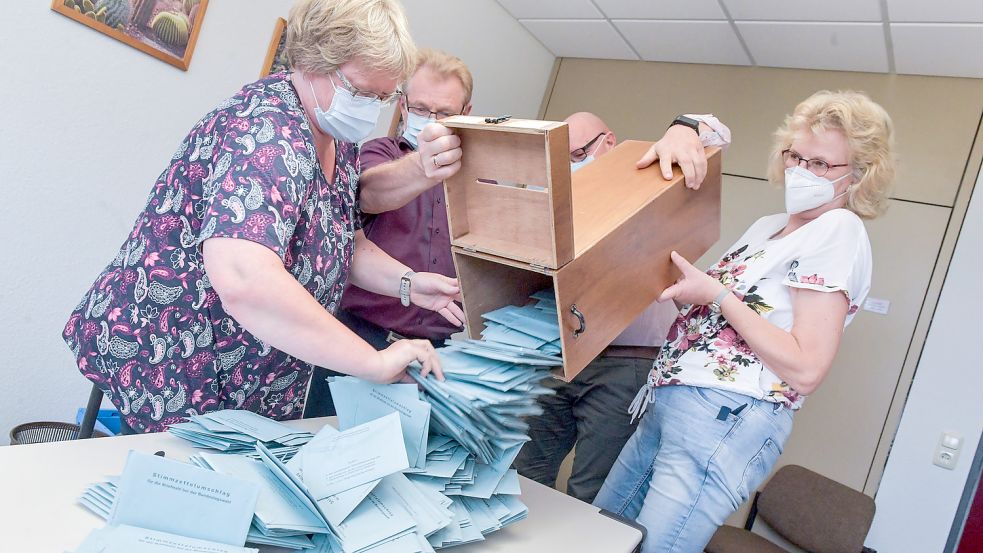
405	214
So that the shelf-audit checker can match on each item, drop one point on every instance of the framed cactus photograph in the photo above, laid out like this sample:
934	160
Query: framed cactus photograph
276	55
165	29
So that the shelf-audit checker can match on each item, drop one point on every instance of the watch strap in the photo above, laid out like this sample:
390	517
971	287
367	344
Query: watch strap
686	122
715	304
404	288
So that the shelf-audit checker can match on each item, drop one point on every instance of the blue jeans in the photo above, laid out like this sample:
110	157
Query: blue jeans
685	470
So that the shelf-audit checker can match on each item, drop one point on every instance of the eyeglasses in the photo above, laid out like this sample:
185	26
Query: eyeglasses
424	111
368	96
580	153
817	167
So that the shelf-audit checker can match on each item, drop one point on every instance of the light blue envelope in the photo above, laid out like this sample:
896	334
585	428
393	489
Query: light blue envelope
517	509
509	484
252	424
354	457
494	332
130	539
169	496
358	401
380	518
528	320
481	516
99	498
278	509
334	507
293	483
429	514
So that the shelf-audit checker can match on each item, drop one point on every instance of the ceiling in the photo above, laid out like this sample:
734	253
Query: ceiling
922	37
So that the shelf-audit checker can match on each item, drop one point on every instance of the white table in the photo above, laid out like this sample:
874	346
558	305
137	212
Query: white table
39	485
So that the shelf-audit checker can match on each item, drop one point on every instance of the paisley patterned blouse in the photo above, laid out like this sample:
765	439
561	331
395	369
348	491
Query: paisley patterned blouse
151	332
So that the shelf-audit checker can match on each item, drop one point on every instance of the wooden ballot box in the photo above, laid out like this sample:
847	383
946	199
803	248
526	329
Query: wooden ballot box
601	237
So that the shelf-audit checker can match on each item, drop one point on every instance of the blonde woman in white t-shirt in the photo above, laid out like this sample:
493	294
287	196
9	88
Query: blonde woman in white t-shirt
758	331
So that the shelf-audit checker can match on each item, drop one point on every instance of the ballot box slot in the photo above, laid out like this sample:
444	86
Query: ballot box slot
511	184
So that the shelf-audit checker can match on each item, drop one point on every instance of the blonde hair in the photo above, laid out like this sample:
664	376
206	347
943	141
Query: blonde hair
447	67
870	136
324	34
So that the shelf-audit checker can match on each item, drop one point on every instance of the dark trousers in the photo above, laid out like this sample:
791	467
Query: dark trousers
591	412
319	402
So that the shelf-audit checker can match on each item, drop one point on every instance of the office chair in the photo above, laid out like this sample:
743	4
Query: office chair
91	412
809	510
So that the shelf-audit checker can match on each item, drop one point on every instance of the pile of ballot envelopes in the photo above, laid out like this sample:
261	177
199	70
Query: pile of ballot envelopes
231	431
410	468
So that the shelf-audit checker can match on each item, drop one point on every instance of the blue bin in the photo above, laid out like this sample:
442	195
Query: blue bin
106	421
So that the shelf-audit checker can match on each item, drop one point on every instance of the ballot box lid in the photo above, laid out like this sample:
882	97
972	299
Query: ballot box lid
511	197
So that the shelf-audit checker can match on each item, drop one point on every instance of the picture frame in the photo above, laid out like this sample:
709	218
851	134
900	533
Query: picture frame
165	29
276	58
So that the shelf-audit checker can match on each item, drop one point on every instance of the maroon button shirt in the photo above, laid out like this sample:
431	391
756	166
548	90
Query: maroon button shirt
417	235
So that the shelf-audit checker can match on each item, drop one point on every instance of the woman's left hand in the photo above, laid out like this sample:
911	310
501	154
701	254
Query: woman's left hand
694	287
437	293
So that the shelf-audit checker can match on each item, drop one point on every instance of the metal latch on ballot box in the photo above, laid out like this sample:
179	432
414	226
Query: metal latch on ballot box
497	120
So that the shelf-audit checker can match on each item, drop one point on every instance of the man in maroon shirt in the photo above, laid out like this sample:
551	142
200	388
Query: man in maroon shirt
405	214
415	233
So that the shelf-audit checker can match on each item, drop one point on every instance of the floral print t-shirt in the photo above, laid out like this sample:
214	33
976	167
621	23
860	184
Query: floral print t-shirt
829	254
151	332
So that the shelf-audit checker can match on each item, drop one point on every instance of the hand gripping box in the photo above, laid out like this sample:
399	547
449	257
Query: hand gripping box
600	238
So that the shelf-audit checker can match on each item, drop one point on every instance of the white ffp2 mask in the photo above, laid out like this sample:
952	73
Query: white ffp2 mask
805	191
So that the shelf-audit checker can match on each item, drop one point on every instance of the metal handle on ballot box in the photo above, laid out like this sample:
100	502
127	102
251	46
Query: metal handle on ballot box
580	317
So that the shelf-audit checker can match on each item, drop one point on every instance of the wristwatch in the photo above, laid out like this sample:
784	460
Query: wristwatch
404	288
686	122
715	304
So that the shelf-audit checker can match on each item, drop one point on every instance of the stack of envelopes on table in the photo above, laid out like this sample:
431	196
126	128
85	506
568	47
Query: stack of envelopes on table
345	488
481	498
343	492
167	505
408	470
236	431
99	499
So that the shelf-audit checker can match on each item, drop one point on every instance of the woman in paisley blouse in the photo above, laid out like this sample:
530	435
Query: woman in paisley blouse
758	331
222	295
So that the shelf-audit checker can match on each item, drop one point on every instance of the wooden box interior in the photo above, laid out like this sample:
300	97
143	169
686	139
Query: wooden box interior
511	197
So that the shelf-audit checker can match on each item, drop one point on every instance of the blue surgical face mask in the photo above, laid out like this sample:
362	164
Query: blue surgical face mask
348	118
413	125
577	165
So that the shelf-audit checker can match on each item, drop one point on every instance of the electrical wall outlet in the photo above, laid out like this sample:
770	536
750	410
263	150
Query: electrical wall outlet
947	450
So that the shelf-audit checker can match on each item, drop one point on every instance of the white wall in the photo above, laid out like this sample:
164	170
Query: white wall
89	123
510	67
917	501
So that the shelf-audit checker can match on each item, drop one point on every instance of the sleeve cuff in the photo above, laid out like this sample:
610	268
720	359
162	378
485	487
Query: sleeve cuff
719	135
818	287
